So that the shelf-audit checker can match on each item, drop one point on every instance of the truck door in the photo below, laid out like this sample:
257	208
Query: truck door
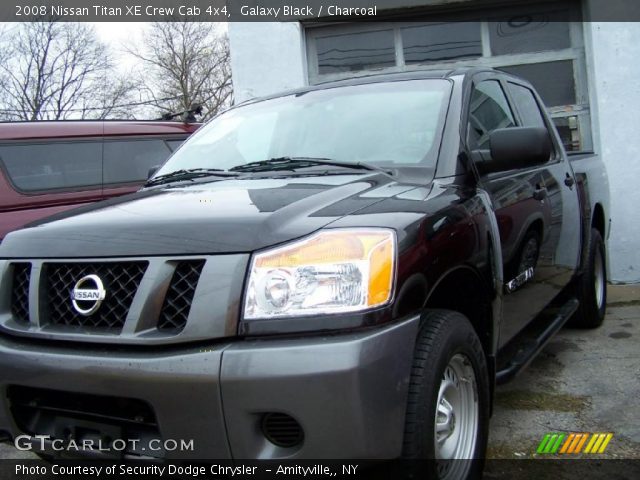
530	206
560	254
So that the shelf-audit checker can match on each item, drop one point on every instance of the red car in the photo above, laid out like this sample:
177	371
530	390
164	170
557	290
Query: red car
49	167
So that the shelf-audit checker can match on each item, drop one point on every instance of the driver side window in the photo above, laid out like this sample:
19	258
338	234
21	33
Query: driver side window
488	111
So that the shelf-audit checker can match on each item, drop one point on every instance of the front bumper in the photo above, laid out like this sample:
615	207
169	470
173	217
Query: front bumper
348	392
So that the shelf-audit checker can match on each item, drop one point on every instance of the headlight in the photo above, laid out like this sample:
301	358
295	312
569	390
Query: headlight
334	271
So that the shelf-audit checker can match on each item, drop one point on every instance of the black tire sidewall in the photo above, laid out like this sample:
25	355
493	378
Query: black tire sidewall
598	249
443	335
590	315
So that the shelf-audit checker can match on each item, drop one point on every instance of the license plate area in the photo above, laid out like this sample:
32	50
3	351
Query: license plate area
80	425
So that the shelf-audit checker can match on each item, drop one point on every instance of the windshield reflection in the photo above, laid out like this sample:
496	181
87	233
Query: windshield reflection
393	123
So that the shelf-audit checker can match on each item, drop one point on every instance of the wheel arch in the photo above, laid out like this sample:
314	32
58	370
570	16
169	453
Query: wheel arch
598	220
474	302
537	226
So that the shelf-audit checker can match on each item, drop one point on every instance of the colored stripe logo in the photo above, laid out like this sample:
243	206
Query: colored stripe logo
574	443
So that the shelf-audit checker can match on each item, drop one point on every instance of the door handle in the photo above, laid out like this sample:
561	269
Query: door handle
569	181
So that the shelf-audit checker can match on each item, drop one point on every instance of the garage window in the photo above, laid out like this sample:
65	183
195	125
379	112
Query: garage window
540	42
438	42
553	81
539	30
355	51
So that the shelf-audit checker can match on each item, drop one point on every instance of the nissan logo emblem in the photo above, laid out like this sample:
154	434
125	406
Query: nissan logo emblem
87	295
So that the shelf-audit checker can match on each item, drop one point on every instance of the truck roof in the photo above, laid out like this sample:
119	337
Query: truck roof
382	77
91	128
409	75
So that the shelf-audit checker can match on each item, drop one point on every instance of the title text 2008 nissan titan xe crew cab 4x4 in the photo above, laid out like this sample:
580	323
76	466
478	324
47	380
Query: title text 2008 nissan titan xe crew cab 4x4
343	271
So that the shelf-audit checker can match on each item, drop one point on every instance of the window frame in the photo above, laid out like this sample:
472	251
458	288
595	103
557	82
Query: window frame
508	99
556	154
504	80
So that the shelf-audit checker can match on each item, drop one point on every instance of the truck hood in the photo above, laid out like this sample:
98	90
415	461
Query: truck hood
224	216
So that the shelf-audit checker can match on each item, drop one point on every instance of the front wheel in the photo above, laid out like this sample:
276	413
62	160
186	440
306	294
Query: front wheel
447	418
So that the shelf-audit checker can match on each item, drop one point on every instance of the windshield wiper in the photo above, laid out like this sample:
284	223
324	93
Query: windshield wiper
187	174
273	164
291	163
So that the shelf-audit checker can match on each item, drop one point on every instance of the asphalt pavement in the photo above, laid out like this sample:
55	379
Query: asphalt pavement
584	381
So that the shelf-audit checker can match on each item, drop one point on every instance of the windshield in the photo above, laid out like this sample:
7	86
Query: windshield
391	124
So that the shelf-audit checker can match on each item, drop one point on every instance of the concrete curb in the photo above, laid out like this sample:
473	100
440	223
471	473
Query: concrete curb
623	294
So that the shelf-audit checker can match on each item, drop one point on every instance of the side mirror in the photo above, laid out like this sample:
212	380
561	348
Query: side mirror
152	171
514	148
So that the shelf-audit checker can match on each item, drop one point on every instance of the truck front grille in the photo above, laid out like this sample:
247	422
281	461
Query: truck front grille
20	292
177	302
129	300
121	281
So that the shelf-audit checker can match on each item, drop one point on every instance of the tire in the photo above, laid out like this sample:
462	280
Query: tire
447	348
591	287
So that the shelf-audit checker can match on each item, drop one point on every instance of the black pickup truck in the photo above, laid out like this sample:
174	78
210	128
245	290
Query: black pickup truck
342	271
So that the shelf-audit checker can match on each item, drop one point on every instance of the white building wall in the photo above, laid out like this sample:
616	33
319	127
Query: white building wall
267	57
613	50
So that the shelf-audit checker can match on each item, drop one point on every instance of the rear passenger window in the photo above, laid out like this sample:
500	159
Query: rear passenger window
174	144
129	161
527	106
488	111
53	166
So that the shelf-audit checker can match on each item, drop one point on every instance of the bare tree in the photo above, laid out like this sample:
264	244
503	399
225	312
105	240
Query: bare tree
184	64
57	70
113	97
3	79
